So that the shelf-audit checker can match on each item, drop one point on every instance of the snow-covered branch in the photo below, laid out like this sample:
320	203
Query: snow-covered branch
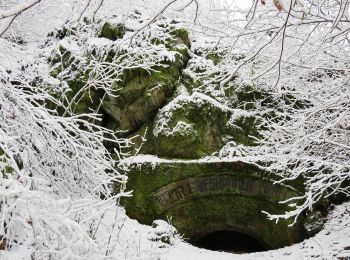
9	15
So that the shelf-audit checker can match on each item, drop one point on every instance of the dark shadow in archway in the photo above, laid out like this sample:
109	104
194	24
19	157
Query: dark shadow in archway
230	241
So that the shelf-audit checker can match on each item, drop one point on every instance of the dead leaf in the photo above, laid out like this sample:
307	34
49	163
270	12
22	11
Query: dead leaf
278	5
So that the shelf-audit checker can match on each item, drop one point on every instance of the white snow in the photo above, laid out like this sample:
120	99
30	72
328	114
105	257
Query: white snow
117	232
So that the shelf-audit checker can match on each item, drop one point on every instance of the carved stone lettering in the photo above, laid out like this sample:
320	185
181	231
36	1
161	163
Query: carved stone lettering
212	185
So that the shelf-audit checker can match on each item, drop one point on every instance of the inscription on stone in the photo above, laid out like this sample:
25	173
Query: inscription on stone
173	193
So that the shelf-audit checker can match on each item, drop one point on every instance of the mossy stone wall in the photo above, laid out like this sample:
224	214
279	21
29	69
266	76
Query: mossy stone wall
206	197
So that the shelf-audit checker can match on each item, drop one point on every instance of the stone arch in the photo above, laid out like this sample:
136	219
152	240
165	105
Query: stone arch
207	197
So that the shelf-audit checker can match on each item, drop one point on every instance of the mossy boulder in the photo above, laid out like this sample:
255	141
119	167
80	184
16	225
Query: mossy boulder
112	31
142	93
139	99
63	32
60	61
180	124
72	70
181	36
195	126
190	127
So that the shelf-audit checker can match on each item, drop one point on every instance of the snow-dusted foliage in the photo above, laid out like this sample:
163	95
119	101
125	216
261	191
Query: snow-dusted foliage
54	172
294	56
56	176
99	63
59	185
180	102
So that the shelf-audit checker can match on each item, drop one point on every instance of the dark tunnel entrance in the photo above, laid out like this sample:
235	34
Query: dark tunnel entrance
230	241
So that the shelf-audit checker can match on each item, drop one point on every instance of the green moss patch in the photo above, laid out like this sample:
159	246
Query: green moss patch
112	31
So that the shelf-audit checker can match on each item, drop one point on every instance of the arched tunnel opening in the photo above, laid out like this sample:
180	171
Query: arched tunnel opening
229	241
218	209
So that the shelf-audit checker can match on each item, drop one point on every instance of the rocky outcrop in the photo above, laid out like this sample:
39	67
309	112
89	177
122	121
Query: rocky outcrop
169	116
194	126
143	93
161	104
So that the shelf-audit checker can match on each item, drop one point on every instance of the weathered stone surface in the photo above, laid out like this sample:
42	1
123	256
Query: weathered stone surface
206	197
178	126
140	99
142	93
195	126
190	127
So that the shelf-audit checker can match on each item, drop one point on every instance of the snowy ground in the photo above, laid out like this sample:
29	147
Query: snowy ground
333	242
133	241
